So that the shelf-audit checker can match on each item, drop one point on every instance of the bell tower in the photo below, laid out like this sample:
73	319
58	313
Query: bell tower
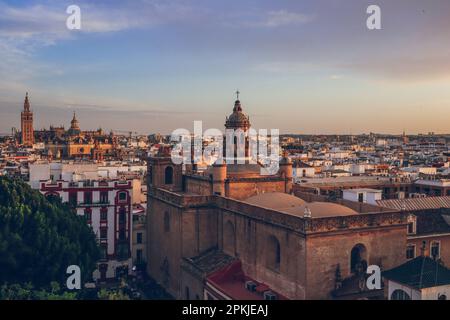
163	173
26	122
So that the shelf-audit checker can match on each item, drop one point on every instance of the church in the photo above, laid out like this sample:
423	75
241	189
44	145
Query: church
228	232
67	144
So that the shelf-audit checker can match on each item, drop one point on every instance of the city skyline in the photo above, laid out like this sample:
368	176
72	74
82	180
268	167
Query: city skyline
305	68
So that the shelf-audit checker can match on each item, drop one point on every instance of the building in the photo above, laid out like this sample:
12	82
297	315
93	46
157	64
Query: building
107	207
362	195
75	143
419	279
204	226
26	124
139	242
428	226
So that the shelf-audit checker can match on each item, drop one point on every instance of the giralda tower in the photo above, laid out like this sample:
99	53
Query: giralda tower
27	123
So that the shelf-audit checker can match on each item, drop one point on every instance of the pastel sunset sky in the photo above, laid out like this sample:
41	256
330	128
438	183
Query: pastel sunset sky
303	66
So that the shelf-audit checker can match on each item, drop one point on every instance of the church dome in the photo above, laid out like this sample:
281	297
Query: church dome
275	200
237	119
295	206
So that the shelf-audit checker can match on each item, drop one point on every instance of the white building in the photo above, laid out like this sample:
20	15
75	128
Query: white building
421	278
107	207
369	196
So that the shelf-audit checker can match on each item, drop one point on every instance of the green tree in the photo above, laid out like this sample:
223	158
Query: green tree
40	238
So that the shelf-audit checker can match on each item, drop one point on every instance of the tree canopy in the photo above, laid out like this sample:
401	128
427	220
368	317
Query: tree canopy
40	238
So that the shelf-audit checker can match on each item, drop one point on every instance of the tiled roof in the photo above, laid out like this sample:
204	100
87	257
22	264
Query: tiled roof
433	221
211	261
413	204
421	272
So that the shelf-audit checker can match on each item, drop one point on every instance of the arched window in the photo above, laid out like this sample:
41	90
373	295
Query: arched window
400	295
229	238
273	253
122	196
168	175
358	259
166	221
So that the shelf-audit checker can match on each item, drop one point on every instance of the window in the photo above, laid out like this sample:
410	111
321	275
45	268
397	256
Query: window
400	295
273	253
139	238
360	197
410	251
88	197
187	293
103	214
73	199
168	175
122	234
122	216
435	251
412	224
88	214
166	222
103	252
358	256
139	256
122	196
103	233
104	196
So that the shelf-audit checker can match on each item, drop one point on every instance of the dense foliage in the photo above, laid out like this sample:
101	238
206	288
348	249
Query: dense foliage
40	238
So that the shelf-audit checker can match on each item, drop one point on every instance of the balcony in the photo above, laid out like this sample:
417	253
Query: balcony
94	204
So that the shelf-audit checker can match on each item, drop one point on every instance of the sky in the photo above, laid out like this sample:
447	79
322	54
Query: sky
302	66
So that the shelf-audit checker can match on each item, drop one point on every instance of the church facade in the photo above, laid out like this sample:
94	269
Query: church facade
231	233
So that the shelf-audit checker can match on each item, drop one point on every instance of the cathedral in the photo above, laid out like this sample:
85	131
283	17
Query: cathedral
229	232
67	144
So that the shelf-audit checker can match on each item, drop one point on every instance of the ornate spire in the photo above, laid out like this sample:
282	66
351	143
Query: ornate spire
26	104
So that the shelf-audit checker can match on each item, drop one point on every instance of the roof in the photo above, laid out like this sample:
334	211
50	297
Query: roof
321	210
362	190
413	204
275	200
421	272
436	221
231	280
301	164
211	261
295	206
244	169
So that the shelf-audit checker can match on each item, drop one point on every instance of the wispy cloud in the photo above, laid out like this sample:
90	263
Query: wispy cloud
266	19
285	18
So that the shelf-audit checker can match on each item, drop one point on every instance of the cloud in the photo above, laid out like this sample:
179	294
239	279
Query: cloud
265	19
285	18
